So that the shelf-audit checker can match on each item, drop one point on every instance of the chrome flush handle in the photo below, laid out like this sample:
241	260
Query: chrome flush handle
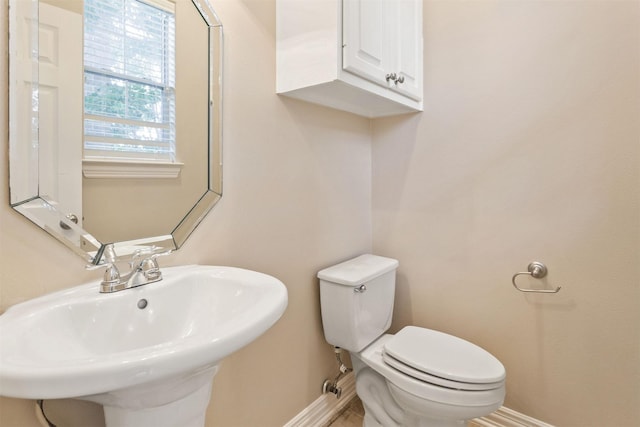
360	289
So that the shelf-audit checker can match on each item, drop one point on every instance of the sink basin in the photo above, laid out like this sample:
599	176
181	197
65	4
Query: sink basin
155	346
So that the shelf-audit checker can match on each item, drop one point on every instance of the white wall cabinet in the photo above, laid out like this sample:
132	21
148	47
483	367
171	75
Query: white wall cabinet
361	56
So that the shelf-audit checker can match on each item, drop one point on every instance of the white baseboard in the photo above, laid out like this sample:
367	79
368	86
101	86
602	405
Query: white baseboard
326	407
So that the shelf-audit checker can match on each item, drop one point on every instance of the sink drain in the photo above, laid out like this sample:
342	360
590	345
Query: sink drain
142	304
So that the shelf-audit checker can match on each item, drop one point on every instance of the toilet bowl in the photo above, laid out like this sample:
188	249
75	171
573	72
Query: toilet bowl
421	398
415	378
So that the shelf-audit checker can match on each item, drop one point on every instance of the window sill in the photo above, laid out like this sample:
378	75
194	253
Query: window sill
130	169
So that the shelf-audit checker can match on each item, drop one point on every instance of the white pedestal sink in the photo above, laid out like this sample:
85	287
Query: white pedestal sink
147	354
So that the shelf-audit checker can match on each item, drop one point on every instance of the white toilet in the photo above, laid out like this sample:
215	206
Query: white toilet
417	377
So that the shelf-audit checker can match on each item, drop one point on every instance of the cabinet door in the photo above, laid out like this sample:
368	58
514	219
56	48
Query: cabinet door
366	44
408	52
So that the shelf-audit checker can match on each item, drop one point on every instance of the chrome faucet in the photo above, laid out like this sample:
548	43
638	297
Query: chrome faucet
144	270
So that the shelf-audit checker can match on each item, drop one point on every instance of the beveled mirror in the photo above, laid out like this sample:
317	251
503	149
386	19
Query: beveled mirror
115	120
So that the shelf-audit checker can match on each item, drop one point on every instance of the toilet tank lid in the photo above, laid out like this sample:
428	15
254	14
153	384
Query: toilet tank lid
359	270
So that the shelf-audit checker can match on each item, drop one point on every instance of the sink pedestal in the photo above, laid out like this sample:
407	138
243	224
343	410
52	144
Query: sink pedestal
175	402
186	412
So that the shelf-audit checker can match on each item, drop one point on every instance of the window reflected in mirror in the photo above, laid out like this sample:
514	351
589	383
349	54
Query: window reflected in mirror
129	80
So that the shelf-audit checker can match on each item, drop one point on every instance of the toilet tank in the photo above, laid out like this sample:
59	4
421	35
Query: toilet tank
356	300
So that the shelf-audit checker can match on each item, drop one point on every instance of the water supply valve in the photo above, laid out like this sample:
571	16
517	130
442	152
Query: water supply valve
332	386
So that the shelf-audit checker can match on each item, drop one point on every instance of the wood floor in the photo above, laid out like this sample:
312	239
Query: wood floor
352	416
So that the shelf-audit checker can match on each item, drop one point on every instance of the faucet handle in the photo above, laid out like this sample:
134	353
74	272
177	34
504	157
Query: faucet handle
111	279
111	275
150	268
149	252
105	256
145	261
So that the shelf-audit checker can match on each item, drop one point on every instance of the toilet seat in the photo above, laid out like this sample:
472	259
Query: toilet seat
423	376
441	359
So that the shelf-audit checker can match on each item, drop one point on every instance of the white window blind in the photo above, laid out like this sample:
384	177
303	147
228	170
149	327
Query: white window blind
129	87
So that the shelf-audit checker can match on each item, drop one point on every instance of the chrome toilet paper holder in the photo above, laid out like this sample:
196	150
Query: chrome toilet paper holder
537	270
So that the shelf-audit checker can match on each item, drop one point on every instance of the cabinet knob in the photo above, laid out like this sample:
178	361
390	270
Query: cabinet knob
395	78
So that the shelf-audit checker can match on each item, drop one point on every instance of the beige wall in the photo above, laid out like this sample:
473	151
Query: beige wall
528	149
296	199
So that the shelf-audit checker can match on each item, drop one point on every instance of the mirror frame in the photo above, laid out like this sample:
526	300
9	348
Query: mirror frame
44	213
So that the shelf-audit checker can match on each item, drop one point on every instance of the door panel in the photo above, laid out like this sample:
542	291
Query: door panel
409	48
366	48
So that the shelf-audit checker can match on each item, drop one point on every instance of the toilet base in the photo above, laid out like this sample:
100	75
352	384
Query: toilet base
370	421
386	405
382	410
